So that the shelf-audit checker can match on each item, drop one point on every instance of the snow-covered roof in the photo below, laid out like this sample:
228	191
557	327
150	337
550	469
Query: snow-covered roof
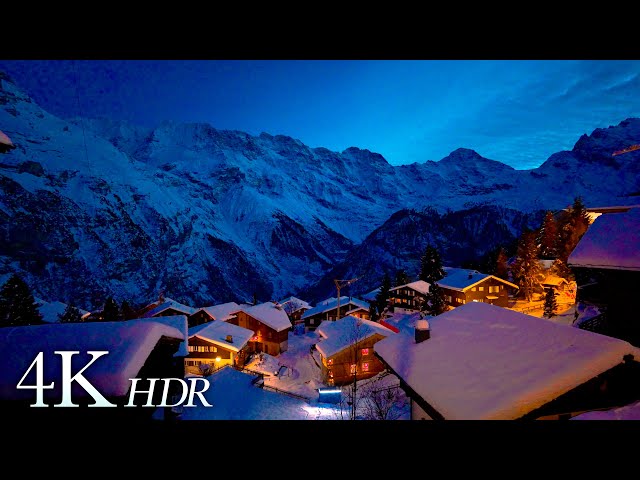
371	296
462	279
217	331
129	345
419	286
296	302
168	303
340	334
487	362
554	280
179	322
611	242
628	412
51	310
269	314
325	307
222	311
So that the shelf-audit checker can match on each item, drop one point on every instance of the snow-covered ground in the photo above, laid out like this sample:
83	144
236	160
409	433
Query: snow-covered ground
628	412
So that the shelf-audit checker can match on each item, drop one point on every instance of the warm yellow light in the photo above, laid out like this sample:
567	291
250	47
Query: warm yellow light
218	359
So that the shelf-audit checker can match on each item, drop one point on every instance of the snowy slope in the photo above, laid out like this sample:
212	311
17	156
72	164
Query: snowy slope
96	207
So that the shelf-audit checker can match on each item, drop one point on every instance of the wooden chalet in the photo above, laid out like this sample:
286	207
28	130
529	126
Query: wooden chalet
295	308
328	310
166	307
221	312
217	344
346	349
270	323
463	286
484	362
408	298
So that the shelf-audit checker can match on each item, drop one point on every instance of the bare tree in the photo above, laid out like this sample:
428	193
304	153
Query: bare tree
382	402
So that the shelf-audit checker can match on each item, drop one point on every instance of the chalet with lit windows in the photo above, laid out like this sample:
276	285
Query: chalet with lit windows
558	284
295	308
606	264
221	312
270	324
359	312
483	362
346	349
166	307
328	310
216	344
462	286
408	298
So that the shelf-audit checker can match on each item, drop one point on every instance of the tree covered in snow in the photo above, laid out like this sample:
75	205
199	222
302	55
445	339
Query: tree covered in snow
17	305
434	304
111	312
548	236
550	303
401	277
70	315
526	269
559	268
381	402
431	266
572	225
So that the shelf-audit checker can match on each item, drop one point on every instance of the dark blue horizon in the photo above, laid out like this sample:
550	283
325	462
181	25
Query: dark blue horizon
518	112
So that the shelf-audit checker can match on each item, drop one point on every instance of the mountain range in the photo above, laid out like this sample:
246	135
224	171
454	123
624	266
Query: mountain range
97	207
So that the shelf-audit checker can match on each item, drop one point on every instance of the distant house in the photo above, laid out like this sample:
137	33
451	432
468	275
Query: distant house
5	143
408	298
168	308
606	264
294	308
359	312
370	296
270	324
217	344
51	310
462	286
328	310
480	361
222	312
137	349
346	349
556	283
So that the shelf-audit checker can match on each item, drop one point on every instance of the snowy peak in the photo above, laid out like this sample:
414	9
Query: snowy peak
603	142
465	157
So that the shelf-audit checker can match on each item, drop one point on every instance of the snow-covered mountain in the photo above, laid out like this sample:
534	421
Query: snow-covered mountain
96	207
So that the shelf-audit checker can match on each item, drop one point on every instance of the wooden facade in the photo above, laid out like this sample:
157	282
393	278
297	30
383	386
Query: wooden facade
198	318
360	312
337	369
490	290
203	351
406	298
266	339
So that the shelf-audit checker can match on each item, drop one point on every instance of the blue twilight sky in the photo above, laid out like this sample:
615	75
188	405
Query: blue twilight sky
515	111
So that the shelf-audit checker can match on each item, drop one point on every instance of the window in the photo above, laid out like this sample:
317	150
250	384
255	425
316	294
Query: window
190	348
354	368
269	334
458	299
330	372
365	367
473	289
481	289
213	349
365	352
312	321
447	298
330	361
404	300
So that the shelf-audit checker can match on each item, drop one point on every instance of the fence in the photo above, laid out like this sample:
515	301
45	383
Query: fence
284	392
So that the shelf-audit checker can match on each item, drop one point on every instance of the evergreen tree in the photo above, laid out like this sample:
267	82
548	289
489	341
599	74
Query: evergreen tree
572	225
128	312
71	315
17	305
401	277
548	236
111	312
255	299
382	298
501	269
526	269
561	269
550	304
431	266
373	311
434	304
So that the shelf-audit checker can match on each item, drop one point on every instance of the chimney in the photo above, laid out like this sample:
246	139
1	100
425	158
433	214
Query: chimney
422	331
229	339
470	275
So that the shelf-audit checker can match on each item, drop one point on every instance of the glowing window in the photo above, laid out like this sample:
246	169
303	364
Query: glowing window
473	289
365	367
330	361
354	368
481	289
365	352
330	374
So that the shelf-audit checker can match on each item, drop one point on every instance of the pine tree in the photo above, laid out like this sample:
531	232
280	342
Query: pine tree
127	311
501	269
401	277
548	236
561	269
382	298
572	225
111	312
434	304
550	304
431	266
526	269
373	311
71	315
17	305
